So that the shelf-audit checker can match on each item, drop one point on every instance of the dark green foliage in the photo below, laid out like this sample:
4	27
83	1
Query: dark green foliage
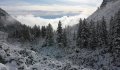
36	31
111	34
49	35
59	34
78	40
114	38
74	36
115	33
90	35
43	31
116	41
23	32
103	32
93	40
1	26
65	42
83	34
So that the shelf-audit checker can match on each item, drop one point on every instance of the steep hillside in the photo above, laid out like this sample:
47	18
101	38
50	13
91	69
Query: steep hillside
107	9
6	19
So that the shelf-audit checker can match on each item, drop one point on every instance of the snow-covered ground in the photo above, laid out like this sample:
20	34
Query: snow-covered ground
13	57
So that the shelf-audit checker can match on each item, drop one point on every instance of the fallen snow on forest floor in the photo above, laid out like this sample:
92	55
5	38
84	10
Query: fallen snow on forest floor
15	58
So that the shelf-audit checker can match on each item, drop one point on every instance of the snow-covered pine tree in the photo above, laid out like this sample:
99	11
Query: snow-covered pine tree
43	31
103	33
78	39
116	41
111	34
49	35
74	36
36	31
59	34
25	34
98	27
65	42
93	41
83	35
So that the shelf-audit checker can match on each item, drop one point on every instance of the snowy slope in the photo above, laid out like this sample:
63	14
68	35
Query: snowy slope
6	19
107	10
3	67
12	57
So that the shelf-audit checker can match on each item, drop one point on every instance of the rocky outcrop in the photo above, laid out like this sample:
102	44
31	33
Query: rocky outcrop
104	3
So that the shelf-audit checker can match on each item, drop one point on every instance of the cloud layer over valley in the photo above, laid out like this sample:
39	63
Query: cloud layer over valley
42	12
31	20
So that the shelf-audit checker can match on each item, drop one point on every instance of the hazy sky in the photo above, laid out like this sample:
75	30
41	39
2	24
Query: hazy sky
49	8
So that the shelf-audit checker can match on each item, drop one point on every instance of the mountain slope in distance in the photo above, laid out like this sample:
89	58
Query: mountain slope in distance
107	9
6	19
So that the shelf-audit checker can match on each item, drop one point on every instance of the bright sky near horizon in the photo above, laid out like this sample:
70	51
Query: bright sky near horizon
43	12
46	8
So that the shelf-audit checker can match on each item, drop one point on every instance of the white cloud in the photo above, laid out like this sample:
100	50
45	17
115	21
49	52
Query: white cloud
87	10
31	20
88	2
84	7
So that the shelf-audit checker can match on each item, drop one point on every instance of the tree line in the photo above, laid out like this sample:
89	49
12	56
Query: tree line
99	34
24	33
89	35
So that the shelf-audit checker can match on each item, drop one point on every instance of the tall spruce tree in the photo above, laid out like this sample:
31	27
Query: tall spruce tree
78	40
36	31
25	34
49	35
116	28
65	42
43	31
98	29
59	34
93	35
116	39
74	36
111	34
103	33
83	35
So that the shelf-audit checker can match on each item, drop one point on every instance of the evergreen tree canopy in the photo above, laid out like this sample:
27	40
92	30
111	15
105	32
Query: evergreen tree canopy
49	35
59	34
83	34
